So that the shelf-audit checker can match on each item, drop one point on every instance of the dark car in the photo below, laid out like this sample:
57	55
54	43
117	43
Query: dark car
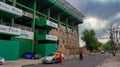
31	55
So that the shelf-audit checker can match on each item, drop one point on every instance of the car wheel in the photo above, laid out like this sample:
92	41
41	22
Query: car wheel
43	63
33	58
53	61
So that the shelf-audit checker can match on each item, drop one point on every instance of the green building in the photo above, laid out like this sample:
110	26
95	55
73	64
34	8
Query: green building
25	25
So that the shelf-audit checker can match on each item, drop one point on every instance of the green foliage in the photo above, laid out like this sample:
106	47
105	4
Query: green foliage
91	40
107	46
99	44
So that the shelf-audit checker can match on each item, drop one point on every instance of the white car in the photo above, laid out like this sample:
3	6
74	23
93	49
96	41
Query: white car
51	58
2	60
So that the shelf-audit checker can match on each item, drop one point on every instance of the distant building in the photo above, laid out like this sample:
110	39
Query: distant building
116	34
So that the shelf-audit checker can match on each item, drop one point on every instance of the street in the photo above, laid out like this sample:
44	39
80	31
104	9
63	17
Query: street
89	61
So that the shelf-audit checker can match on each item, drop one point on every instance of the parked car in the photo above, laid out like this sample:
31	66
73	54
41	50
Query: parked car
2	60
31	55
110	52
51	59
102	52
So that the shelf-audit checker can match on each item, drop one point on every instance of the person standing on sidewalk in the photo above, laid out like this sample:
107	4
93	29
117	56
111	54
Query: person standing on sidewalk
58	56
80	56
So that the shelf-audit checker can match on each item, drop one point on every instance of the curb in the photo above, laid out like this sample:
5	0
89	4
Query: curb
27	65
103	62
30	64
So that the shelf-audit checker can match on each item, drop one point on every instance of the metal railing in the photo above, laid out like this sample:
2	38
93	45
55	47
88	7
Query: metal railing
23	27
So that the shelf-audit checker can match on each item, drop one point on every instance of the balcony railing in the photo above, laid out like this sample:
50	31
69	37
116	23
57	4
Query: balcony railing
42	22
44	37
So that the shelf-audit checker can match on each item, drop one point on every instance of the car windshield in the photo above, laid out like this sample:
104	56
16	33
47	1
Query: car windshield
51	54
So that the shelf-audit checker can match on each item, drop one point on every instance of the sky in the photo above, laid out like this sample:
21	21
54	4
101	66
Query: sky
99	15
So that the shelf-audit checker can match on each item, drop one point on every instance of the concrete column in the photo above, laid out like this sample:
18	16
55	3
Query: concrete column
14	4
33	23
48	14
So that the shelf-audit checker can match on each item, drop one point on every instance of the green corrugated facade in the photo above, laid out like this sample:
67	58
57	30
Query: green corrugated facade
9	49
25	45
40	37
41	22
45	49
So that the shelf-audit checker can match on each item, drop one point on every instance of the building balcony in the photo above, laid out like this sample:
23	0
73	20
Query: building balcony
10	11
45	37
7	30
42	22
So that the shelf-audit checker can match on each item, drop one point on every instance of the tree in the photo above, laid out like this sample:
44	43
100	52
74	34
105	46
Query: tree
108	45
99	44
90	39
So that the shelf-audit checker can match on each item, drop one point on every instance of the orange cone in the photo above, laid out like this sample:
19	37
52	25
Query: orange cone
62	61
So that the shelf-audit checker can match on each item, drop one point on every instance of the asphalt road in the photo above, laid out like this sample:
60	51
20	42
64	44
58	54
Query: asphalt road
89	61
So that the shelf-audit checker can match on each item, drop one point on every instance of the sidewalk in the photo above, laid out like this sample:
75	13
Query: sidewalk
20	62
111	62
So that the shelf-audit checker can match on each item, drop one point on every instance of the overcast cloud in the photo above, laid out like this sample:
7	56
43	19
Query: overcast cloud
99	14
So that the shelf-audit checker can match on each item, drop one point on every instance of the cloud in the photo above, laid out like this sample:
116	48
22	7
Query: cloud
99	14
113	19
103	40
94	23
105	1
117	15
103	9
